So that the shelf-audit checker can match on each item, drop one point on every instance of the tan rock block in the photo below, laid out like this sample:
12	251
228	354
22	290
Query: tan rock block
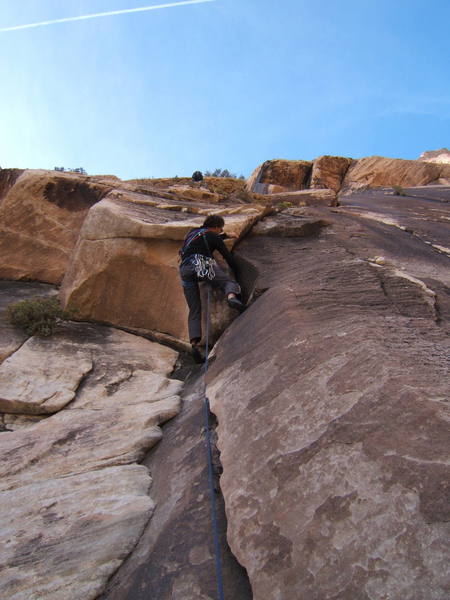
318	197
41	214
376	171
329	172
134	279
199	194
289	174
73	535
35	384
441	156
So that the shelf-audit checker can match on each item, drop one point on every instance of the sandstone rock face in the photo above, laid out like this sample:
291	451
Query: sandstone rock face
342	175
73	500
30	385
441	156
41	214
197	194
125	266
376	171
286	174
305	198
329	172
175	555
283	225
331	396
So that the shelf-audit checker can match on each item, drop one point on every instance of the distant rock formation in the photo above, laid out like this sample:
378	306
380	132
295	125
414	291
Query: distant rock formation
343	175
441	156
280	176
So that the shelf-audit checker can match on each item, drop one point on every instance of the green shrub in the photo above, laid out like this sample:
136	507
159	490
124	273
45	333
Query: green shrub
36	316
398	190
284	205
197	176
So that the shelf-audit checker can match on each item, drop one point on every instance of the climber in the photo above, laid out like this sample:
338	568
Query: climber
197	264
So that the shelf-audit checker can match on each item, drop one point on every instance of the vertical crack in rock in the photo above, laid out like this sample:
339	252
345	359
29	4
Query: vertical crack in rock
175	555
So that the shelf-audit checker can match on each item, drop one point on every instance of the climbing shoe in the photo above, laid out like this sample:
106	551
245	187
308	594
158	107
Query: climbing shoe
236	304
197	354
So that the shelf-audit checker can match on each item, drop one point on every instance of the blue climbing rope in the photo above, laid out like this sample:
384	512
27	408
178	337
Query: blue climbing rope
212	492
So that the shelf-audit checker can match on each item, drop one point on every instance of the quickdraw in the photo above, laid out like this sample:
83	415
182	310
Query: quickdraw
204	266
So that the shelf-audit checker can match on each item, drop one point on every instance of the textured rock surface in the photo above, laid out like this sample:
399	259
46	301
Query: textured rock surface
331	393
30	383
289	224
305	198
175	556
69	483
376	171
441	156
41	214
286	174
342	174
134	281
329	172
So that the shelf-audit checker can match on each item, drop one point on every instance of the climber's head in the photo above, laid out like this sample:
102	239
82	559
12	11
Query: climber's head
214	222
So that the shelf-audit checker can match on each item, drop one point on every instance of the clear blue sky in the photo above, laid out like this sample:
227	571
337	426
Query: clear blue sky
227	84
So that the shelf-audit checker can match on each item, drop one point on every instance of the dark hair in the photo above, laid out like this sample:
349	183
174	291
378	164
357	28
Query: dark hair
213	221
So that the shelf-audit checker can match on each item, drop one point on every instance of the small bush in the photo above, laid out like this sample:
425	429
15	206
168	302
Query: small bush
37	316
197	176
398	190
222	173
284	205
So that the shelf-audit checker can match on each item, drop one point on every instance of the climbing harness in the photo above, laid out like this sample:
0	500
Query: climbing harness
212	491
203	265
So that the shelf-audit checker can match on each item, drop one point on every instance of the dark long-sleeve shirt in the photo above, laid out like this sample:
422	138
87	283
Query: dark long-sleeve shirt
206	244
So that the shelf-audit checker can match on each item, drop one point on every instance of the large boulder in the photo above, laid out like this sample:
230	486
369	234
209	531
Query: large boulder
330	393
41	213
329	172
70	483
279	175
376	171
441	156
124	269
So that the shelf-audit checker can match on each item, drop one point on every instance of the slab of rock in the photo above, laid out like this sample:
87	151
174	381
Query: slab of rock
331	396
134	281
78	467
423	212
329	172
76	533
286	226
35	381
305	198
198	194
287	174
376	171
441	156
41	213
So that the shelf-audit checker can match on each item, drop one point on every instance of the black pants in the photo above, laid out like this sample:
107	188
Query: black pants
189	281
